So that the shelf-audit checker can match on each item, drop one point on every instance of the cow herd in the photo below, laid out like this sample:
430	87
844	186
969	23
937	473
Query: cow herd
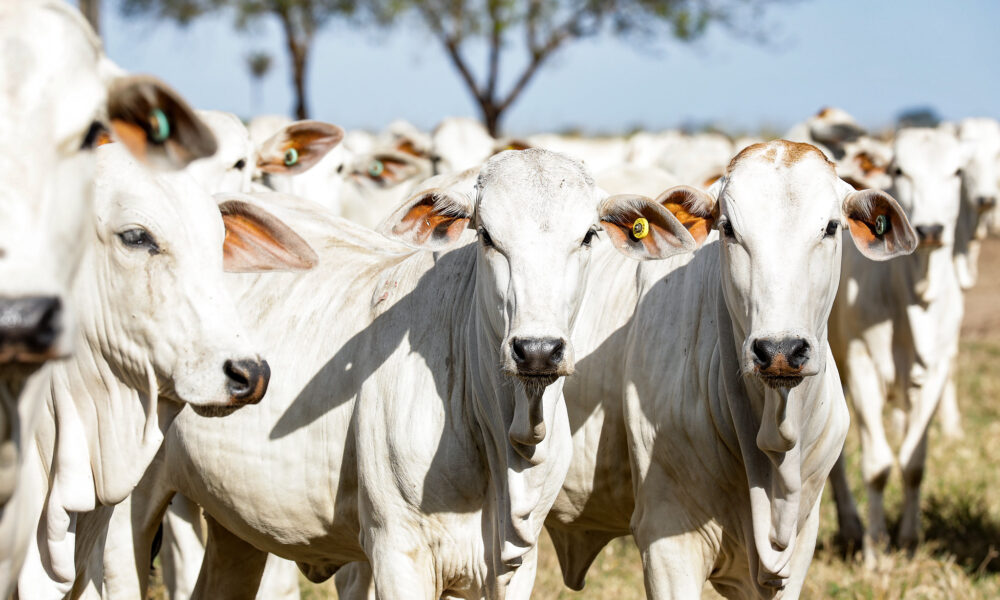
407	353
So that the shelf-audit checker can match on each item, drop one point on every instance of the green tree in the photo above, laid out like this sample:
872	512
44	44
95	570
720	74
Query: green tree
300	20
542	27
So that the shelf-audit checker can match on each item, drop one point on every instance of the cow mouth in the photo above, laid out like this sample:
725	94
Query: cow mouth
781	381
215	410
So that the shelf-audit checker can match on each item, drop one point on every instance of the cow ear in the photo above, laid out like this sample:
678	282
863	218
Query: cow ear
257	241
694	208
297	147
433	219
643	229
878	224
156	124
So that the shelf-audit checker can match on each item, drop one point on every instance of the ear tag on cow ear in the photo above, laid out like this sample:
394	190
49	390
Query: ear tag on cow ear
291	157
159	126
881	225
376	168
640	228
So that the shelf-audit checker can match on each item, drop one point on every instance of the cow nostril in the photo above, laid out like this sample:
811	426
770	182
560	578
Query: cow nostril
763	352
247	379
517	348
986	202
798	353
925	232
538	355
29	327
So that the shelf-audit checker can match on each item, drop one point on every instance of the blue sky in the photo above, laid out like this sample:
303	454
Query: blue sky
871	58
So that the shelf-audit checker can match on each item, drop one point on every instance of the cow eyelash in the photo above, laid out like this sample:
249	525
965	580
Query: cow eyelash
831	229
138	238
93	134
726	228
589	238
484	236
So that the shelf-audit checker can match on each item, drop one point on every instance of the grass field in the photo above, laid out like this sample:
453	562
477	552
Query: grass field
960	556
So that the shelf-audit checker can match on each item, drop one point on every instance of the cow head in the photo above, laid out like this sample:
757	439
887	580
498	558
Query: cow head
60	97
536	215
780	210
981	173
160	312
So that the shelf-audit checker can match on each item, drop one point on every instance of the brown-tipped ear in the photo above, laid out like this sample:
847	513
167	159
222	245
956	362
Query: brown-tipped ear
432	219
694	208
643	229
297	147
156	124
878	225
258	241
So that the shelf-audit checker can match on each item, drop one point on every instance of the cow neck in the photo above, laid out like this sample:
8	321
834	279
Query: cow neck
776	430
523	482
924	276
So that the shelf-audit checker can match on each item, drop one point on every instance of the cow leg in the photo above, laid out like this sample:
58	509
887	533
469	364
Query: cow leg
670	564
913	474
183	548
280	580
354	582
848	520
232	567
948	413
868	398
401	571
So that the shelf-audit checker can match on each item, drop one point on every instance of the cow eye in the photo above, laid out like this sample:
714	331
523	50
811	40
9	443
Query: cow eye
484	236
726	228
897	172
340	168
240	164
831	229
958	172
94	134
587	239
139	239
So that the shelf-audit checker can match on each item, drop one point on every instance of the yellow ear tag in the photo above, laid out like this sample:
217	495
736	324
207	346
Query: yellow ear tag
640	228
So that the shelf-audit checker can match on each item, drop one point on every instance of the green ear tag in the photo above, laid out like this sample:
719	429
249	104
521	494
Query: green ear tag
159	125
291	157
376	168
881	225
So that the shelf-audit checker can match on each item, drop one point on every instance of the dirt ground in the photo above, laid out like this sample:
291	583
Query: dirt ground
982	303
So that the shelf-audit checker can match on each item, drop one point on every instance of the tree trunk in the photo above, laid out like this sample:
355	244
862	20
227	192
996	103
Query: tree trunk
299	80
91	10
491	115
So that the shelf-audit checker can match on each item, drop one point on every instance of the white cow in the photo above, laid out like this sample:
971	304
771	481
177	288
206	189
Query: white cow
894	331
461	143
732	411
830	130
59	95
980	191
430	394
157	329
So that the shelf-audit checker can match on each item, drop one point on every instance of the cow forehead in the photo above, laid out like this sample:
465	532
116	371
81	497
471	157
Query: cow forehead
780	183
170	204
927	152
535	190
50	87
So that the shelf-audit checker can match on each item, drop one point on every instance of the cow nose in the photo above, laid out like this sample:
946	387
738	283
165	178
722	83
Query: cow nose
29	328
928	233
538	356
780	357
247	380
986	202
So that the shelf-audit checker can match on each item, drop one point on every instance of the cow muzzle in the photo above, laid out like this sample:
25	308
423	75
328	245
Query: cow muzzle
782	362
30	328
930	236
540	359
246	380
986	203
